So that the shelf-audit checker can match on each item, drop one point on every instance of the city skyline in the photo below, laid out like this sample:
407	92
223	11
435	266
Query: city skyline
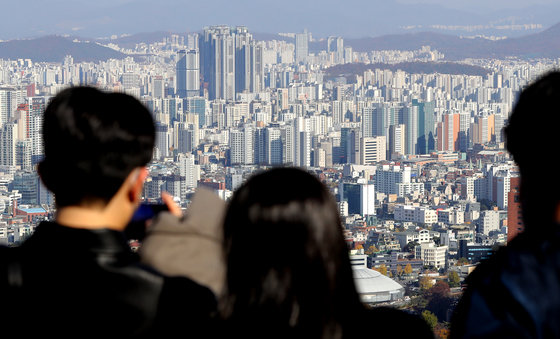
415	159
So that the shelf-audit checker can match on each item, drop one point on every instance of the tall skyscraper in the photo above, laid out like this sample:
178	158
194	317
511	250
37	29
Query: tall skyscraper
335	45
231	62
410	120
302	46
217	55
8	139
249	67
425	143
188	73
397	141
181	74
193	73
448	132
273	146
302	142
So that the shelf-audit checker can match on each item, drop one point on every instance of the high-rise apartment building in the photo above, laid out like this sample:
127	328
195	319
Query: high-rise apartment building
397	141
10	98
8	140
249	67
388	176
335	47
217	61
410	120
231	62
189	170
273	146
515	217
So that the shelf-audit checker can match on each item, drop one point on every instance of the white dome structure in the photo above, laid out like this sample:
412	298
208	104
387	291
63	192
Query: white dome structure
373	286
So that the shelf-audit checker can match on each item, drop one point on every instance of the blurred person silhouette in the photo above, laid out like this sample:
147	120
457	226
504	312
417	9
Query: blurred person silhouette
76	276
288	273
190	245
516	292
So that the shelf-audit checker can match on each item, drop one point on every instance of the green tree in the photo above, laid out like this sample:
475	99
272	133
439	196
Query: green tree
454	279
430	318
410	246
462	261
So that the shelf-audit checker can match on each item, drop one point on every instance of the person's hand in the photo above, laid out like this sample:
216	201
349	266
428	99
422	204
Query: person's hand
171	205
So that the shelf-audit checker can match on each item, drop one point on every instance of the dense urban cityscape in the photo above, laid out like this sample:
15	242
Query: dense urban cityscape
415	160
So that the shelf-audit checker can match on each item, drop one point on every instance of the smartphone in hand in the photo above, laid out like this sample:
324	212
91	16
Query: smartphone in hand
136	228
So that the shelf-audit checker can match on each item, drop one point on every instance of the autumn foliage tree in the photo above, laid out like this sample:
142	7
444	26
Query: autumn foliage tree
425	283
462	261
408	269
371	250
439	300
441	331
382	269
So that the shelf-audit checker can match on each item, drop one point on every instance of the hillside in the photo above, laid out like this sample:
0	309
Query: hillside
545	44
54	49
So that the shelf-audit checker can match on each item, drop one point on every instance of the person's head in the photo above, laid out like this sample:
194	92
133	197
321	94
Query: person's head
287	262
93	142
532	139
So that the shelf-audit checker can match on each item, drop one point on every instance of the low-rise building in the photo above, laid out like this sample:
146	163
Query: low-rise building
432	255
419	214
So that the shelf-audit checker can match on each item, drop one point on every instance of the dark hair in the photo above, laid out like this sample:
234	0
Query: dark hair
92	142
301	283
532	138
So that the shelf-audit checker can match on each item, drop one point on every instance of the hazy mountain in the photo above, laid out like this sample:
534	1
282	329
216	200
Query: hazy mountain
129	41
543	44
349	18
54	49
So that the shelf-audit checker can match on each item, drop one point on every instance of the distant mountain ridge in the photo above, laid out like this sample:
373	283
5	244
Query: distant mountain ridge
545	44
55	48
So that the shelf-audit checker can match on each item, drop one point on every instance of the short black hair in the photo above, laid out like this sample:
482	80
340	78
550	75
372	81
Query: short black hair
302	285
92	142
532	138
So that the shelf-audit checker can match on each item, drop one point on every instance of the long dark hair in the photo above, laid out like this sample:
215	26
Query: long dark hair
288	271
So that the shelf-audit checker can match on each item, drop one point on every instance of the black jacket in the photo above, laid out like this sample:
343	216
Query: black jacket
515	293
87	283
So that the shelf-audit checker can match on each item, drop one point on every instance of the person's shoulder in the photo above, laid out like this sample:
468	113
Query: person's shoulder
185	306
514	291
